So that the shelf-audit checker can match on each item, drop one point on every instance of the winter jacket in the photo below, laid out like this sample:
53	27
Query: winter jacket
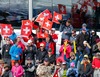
44	71
7	73
17	71
80	38
15	51
68	50
30	52
5	51
50	45
67	29
29	71
40	55
72	72
88	70
51	58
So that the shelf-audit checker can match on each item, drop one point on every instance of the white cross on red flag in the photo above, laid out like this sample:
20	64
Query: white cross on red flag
41	35
47	24
26	28
6	29
45	14
62	9
56	17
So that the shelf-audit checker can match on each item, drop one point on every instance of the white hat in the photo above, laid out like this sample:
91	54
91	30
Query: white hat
84	24
92	31
29	41
53	29
84	42
63	63
41	44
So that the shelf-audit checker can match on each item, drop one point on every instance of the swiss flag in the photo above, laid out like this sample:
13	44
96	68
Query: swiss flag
6	29
45	14
56	17
47	24
26	28
84	8
95	4
62	9
41	35
74	8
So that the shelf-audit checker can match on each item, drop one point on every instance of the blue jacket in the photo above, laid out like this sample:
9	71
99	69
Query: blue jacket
72	71
14	50
13	36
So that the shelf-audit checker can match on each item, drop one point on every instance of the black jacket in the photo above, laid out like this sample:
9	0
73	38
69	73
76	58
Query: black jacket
5	51
51	58
40	55
82	37
88	71
30	52
7	74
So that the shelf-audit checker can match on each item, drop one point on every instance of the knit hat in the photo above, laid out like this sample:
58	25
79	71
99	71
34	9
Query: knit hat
72	64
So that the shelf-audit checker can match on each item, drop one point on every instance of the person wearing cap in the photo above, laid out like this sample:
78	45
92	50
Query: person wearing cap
82	37
66	29
85	69
41	53
30	51
7	71
54	36
96	65
63	69
15	52
93	37
44	69
72	71
5	52
50	56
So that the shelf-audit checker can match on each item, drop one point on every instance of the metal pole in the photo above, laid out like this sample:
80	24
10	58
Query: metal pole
30	9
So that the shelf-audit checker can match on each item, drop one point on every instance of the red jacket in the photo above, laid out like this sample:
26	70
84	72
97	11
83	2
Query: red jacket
52	46
96	63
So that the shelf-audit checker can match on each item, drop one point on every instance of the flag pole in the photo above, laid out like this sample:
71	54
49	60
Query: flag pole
30	9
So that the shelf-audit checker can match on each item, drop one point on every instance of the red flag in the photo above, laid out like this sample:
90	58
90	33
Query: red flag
6	29
84	8
35	25
40	18
26	28
41	35
62	9
47	24
74	8
56	17
45	14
